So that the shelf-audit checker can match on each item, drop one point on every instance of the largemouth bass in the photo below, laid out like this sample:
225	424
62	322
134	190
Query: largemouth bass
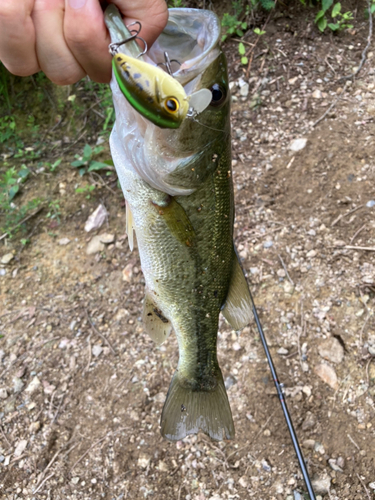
178	188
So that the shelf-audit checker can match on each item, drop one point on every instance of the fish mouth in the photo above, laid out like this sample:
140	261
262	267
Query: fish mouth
192	38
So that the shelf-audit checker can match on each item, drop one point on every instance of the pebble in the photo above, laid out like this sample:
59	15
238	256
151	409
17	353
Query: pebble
75	480
243	482
298	144
372	485
97	350
334	466
64	241
268	244
317	94
282	351
96	219
34	427
127	273
311	254
328	375
17	384
230	381
5	259
95	246
322	485
288	287
20	448
332	350
3	393
33	386
107	238
370	204
309	422
144	460
297	495
236	346
309	444
281	273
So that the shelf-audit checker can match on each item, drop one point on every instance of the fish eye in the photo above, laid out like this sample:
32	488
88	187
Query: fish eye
171	104
218	95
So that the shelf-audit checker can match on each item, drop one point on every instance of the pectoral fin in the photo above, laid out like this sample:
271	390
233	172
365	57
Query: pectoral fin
155	323
238	306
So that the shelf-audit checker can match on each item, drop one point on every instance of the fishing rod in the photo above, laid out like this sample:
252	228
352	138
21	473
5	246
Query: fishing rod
280	393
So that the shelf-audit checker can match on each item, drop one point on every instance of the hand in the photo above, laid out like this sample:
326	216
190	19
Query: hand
67	39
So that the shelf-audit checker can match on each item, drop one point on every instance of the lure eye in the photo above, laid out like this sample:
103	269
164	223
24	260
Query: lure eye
171	105
218	95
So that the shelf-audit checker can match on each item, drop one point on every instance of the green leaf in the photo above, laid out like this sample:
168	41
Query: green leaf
241	49
372	8
96	165
244	26
78	163
322	24
319	15
333	27
336	10
82	172
13	191
24	172
326	4
244	60
87	151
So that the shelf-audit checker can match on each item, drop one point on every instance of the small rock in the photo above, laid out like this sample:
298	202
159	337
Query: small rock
107	238
127	273
17	384
370	204
317	94
47	387
144	460
309	444
306	390
334	466
297	495
244	90
34	427
236	346
322	485
309	422
3	393
319	448
159	397
328	375
75	480
5	259
332	350
298	144
282	351
95	246
288	287
20	448
243	482
372	485
268	244
311	254
96	219
339	243
64	241
230	381
97	350
162	466
33	386
281	273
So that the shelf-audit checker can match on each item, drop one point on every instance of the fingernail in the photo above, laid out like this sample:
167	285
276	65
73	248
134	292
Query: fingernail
77	4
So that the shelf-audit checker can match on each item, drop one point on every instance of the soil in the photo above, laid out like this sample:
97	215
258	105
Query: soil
88	425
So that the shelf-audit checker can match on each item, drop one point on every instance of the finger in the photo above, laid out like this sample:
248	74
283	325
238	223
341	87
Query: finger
17	37
88	38
152	14
55	57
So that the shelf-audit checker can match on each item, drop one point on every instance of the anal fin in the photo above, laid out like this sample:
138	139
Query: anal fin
155	323
238	309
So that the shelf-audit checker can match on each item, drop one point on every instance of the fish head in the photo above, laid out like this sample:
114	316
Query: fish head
199	84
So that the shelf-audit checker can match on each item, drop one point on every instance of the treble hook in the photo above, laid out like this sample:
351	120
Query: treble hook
113	47
168	62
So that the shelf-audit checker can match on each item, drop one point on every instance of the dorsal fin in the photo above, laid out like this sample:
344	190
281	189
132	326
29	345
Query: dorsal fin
238	307
154	321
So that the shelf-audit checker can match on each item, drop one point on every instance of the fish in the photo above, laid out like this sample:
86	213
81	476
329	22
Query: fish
178	187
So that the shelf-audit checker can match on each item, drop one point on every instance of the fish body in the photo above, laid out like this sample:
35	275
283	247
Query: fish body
178	188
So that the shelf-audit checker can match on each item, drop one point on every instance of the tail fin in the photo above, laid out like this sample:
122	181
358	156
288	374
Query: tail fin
186	412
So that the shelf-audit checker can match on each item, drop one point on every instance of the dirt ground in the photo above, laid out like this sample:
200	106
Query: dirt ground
82	385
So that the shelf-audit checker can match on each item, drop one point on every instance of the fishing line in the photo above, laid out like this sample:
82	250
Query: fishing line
280	393
203	125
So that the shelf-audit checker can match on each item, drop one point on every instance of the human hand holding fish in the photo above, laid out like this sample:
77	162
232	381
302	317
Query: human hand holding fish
67	39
